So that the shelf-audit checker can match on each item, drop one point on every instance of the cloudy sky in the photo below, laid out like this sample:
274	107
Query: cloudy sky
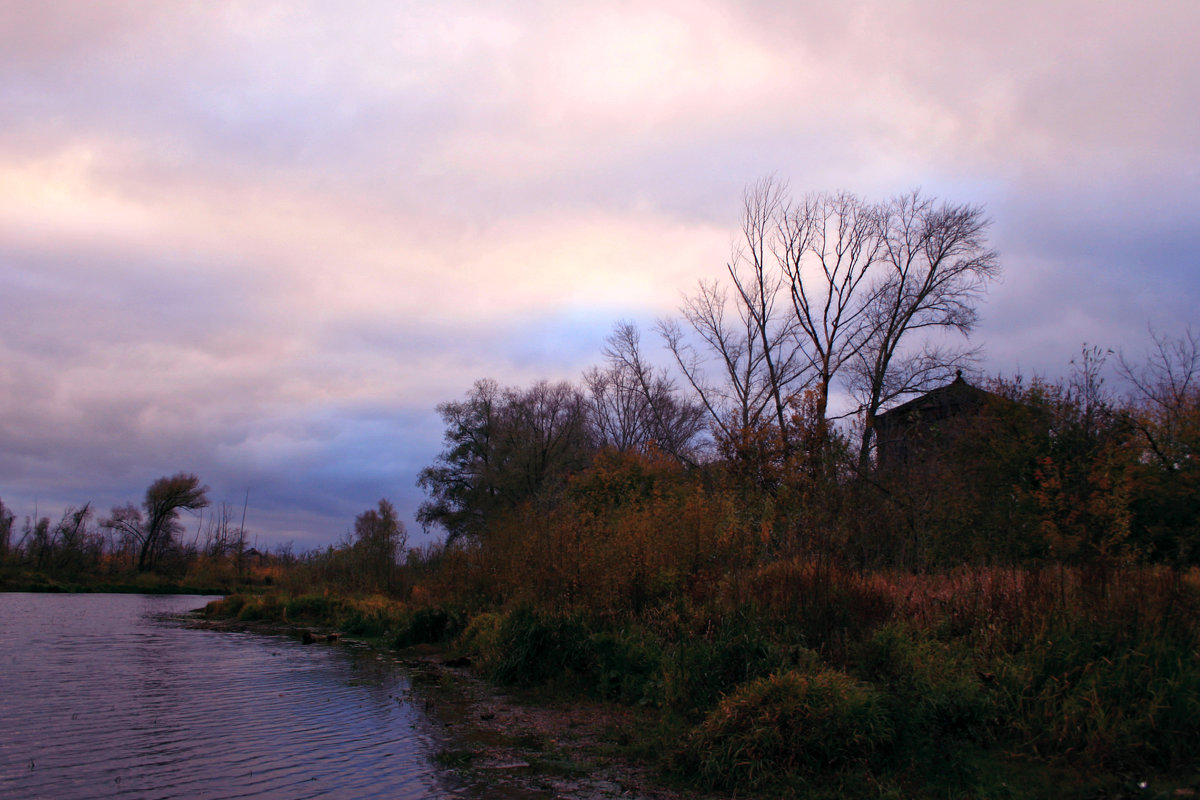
260	241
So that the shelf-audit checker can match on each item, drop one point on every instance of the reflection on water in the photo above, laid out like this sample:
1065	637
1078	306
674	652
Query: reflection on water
104	696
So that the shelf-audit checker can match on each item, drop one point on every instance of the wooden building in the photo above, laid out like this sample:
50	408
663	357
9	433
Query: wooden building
911	429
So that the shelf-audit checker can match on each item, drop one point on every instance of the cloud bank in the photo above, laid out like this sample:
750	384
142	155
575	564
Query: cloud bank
261	241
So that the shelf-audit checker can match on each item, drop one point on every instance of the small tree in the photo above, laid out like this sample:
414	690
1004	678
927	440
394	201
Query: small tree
154	532
504	448
1164	412
379	540
6	525
634	407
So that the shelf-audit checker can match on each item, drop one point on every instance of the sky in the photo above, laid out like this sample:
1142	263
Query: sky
261	241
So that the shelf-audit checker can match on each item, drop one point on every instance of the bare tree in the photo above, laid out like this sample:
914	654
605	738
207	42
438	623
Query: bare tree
6	526
863	282
545	438
633	405
934	265
827	246
1167	391
740	394
758	286
222	538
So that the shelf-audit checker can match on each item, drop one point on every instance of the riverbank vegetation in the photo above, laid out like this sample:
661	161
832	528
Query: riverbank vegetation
802	679
816	559
1012	610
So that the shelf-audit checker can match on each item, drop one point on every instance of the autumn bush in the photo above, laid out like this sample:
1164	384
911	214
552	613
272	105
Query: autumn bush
778	733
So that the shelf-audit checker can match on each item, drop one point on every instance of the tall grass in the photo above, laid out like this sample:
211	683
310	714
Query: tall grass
924	677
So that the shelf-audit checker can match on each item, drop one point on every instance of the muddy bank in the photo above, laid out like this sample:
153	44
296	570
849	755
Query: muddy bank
548	747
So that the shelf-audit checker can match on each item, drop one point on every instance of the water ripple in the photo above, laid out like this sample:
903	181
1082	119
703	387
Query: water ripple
100	696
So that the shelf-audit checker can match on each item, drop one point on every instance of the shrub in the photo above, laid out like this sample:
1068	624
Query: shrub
784	730
429	626
534	648
935	695
698	669
628	667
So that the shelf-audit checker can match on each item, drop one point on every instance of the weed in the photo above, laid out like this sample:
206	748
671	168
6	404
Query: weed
454	759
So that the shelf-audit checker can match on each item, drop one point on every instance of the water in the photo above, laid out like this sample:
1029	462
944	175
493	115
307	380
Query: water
108	696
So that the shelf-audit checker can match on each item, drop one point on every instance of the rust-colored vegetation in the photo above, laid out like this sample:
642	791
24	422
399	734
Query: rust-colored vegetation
985	591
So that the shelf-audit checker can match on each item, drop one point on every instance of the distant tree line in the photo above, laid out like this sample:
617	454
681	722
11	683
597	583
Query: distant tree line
151	541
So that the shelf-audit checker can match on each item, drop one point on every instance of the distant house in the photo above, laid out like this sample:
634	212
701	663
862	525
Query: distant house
912	428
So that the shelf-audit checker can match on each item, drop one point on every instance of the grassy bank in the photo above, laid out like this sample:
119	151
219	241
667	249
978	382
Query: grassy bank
801	680
21	580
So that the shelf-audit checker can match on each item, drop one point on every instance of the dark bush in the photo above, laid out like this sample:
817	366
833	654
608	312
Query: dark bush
266	607
431	626
776	734
698	670
317	607
1106	696
628	667
535	648
935	695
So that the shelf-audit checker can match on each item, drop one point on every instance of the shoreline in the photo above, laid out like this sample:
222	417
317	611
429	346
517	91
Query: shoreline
526	742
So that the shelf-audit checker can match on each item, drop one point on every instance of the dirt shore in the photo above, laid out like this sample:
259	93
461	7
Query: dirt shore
510	744
529	744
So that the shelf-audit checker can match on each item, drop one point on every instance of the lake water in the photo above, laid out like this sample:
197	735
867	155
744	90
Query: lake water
111	696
